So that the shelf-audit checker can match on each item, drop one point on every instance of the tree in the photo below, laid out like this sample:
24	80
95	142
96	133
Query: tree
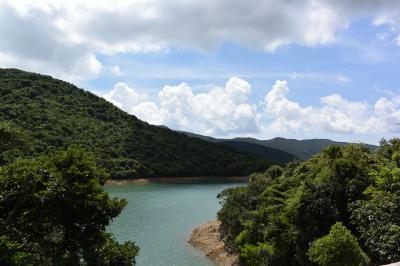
376	216
53	211
11	140
338	248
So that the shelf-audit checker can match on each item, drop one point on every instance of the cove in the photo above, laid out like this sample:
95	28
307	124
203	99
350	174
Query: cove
160	217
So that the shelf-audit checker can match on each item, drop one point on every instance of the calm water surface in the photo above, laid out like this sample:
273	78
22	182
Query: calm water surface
160	217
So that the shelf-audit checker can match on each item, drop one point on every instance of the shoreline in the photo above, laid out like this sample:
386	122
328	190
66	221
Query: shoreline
166	180
206	238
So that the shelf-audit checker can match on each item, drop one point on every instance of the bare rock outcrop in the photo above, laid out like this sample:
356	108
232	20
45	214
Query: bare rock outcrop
206	237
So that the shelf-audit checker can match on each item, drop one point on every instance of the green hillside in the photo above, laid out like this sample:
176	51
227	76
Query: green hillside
54	114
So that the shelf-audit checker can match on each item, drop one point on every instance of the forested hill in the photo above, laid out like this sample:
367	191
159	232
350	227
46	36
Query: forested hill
54	114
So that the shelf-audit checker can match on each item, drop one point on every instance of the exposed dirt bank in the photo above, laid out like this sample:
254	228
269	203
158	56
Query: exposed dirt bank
206	237
178	180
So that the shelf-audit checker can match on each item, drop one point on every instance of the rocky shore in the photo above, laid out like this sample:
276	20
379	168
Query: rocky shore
206	238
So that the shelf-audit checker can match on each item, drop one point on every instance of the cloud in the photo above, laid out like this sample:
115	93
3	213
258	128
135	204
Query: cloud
123	96
219	111
116	70
392	19
286	114
30	40
342	78
389	112
336	115
64	38
238	90
149	112
228	111
397	40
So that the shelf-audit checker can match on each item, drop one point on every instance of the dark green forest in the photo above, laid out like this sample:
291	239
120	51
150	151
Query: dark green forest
53	114
341	207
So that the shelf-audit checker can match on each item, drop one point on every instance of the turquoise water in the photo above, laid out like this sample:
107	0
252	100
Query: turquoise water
160	218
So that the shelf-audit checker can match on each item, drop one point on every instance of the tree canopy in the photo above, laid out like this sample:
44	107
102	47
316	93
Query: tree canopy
280	214
53	211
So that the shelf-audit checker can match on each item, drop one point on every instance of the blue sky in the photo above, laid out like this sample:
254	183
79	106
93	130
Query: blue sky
298	69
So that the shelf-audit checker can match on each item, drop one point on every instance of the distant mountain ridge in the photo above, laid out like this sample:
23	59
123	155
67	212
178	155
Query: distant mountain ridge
303	149
273	155
293	149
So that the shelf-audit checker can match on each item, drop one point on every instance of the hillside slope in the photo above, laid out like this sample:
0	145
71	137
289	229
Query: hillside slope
55	114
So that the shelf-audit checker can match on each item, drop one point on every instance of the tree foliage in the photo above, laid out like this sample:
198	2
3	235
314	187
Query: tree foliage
53	211
280	213
377	216
55	115
12	141
338	248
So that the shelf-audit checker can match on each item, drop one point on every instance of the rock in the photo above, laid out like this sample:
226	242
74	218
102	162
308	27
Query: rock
206	237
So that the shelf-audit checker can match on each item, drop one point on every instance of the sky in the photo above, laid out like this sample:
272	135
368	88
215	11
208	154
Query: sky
223	68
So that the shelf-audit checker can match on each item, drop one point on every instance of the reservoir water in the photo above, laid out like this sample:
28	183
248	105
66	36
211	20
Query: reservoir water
160	217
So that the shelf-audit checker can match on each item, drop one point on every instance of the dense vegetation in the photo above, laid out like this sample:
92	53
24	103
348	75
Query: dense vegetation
54	114
53	210
341	207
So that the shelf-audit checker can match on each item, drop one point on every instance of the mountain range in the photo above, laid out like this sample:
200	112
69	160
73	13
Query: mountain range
277	150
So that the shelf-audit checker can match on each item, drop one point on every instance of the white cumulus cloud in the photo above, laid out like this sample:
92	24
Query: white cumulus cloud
219	111
123	96
336	114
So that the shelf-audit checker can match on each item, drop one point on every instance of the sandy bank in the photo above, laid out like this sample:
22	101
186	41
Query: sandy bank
178	180
207	239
